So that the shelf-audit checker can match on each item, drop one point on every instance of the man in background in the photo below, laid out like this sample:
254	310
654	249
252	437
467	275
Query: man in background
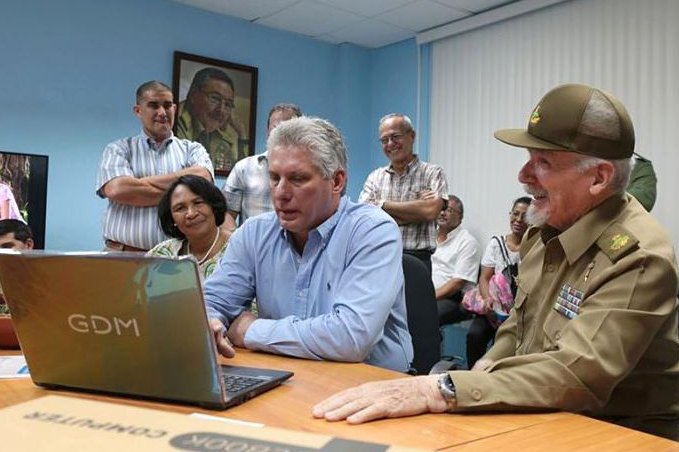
208	117
594	326
411	191
134	172
15	235
455	263
326	271
247	188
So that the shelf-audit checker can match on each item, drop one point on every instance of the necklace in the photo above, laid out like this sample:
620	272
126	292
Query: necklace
214	242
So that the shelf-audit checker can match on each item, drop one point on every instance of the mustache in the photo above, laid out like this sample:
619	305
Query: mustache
533	191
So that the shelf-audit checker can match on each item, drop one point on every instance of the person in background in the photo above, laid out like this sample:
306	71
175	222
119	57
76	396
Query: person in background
8	205
247	187
455	263
208	116
411	191
326	271
502	251
643	182
135	172
190	212
594	326
15	235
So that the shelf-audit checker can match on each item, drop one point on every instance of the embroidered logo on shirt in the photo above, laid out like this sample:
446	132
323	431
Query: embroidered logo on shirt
535	116
568	301
618	241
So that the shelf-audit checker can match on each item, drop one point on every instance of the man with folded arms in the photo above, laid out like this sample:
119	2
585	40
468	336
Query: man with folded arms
594	326
135	171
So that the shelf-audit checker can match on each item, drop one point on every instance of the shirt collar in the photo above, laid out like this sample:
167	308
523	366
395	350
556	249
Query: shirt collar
325	229
409	166
152	143
577	239
452	234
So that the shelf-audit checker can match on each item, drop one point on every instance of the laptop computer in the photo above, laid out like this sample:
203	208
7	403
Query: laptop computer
121	323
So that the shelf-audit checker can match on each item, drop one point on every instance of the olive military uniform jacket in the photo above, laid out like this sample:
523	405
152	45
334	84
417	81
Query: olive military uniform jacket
594	326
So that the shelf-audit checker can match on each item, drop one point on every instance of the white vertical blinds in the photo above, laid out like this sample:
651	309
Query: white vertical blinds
491	78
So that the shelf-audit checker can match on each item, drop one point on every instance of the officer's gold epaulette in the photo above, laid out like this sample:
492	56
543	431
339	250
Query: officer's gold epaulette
616	242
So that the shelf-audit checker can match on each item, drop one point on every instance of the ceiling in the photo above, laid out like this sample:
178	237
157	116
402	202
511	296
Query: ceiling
366	23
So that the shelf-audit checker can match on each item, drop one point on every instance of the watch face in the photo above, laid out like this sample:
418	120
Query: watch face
446	386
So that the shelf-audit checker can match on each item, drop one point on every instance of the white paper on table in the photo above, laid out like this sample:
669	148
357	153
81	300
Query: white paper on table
13	367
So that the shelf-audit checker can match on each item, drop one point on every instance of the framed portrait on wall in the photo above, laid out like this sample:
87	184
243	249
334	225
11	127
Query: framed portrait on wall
217	107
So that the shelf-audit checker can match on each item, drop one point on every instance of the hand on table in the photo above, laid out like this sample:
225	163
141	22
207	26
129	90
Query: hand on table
383	399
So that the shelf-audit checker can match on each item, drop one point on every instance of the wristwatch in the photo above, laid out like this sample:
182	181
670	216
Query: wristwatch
447	390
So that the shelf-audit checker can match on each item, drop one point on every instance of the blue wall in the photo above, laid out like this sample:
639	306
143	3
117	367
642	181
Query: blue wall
70	69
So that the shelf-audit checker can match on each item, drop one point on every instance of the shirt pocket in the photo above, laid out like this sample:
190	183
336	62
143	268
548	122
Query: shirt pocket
412	191
553	328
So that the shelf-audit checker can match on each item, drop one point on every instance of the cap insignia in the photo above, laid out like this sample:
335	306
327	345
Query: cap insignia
535	116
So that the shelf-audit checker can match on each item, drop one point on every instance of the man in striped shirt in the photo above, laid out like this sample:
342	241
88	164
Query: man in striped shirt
411	191
135	171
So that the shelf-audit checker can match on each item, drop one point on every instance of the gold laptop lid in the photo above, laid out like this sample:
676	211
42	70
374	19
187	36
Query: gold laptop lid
114	322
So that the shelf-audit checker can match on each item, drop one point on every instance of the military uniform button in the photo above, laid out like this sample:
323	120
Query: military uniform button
476	394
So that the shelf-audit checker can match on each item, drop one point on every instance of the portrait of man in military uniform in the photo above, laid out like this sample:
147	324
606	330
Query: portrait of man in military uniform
216	107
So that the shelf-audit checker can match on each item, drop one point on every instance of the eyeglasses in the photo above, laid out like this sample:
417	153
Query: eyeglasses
215	100
395	137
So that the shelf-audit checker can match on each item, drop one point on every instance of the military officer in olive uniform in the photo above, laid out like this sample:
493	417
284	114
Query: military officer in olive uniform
594	326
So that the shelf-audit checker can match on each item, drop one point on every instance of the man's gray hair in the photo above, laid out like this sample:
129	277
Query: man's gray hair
322	139
622	169
406	119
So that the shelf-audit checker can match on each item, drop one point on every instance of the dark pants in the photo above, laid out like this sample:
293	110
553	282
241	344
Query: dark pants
479	335
451	311
423	255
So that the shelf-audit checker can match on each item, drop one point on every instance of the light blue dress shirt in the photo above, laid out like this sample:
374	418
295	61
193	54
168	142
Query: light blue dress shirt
341	300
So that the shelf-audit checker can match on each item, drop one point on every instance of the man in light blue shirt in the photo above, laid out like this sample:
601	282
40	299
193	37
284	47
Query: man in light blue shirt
326	271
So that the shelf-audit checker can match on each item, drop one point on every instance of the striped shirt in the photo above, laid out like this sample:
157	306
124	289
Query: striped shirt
384	184
140	157
247	188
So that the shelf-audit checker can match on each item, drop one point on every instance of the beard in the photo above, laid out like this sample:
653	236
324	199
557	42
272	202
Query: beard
534	216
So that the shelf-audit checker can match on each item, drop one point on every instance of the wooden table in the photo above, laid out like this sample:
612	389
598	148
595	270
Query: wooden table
289	406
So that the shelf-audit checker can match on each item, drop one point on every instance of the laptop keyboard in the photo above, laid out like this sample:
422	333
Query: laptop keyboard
236	383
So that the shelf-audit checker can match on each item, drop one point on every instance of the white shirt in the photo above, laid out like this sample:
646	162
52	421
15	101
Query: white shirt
493	255
457	256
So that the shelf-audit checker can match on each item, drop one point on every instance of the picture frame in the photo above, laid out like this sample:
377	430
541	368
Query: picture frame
216	106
